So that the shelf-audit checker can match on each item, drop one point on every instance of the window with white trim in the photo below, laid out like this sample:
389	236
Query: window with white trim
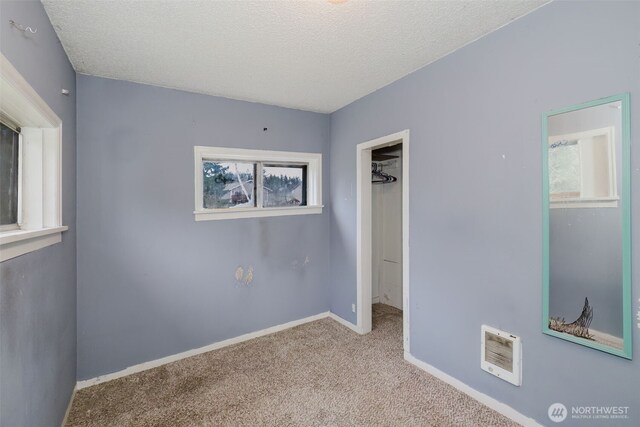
30	165
582	169
241	183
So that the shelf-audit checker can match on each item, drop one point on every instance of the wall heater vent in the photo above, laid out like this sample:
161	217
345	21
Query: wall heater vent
501	354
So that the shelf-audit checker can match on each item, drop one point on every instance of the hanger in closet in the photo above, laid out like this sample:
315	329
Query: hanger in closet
379	177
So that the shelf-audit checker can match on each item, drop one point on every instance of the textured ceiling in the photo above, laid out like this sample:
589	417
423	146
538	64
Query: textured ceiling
310	55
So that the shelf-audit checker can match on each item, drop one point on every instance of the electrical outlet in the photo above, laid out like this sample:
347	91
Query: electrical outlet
353	308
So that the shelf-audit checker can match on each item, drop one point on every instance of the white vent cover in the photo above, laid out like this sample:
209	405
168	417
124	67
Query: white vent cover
501	354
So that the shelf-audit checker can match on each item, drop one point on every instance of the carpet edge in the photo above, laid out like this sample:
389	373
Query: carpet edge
485	399
196	351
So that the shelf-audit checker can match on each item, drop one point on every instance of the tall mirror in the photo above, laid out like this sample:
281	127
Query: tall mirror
587	248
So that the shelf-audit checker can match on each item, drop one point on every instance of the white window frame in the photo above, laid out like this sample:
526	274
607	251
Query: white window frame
610	201
314	181
39	169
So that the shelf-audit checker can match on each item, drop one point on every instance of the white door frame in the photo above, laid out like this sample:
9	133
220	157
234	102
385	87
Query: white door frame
364	230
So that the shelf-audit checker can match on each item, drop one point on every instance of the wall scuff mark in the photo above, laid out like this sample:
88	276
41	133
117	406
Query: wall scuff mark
239	274
249	277
242	278
297	265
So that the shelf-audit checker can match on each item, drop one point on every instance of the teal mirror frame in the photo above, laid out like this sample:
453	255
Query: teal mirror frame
625	194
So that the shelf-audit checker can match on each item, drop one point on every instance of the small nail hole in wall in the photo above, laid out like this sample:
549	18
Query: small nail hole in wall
264	129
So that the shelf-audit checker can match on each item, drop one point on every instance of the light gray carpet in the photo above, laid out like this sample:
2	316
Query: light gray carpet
317	374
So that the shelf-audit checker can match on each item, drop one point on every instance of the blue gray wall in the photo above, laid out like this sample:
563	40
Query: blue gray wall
475	197
152	282
38	290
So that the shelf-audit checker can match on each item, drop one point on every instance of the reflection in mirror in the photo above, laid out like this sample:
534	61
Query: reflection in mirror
582	163
587	277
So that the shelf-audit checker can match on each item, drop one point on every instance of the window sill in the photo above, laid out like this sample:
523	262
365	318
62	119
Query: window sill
232	213
595	202
19	242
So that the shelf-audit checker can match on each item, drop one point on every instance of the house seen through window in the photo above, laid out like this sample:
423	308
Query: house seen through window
246	183
284	185
231	184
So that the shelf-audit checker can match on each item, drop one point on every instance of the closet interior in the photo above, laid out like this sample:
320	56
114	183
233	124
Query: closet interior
386	178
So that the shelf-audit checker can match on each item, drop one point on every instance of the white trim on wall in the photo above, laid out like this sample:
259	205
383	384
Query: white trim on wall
364	230
343	322
69	405
257	212
313	161
194	352
19	242
492	403
39	171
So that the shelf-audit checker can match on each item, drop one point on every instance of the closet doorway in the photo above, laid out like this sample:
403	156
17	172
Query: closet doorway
383	228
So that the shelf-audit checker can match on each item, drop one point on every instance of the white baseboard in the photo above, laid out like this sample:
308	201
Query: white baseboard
492	403
66	413
375	300
346	323
163	361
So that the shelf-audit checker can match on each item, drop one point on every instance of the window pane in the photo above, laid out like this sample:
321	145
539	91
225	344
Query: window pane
564	170
284	185
8	176
228	184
